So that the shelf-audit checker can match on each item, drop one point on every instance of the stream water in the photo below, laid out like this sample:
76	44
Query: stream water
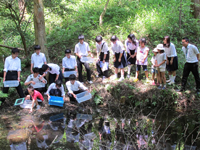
100	129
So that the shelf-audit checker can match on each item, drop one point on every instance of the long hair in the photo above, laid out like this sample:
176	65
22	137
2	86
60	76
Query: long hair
167	38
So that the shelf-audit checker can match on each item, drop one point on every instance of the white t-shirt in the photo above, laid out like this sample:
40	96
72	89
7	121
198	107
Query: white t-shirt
53	86
160	57
117	47
170	51
141	54
191	55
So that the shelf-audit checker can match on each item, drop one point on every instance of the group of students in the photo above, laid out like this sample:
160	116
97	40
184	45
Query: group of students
165	58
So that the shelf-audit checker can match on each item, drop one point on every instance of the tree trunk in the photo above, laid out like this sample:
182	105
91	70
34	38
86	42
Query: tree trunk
39	25
196	8
103	13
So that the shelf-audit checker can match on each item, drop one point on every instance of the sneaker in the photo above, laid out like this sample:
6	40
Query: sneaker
135	80
121	79
153	83
113	78
90	82
160	87
163	88
168	81
128	76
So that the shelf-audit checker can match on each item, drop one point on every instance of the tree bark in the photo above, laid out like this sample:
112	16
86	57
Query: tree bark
39	25
103	13
196	8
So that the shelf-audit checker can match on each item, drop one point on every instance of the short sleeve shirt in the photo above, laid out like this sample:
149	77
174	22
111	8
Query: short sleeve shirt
103	48
160	57
191	52
38	60
69	63
141	54
170	51
55	69
130	46
117	47
36	95
82	49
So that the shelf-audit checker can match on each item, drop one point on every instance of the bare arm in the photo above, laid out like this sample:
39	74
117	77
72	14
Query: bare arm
4	76
31	68
19	75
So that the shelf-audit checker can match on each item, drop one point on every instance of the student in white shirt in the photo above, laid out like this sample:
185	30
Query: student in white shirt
154	70
12	70
161	64
56	89
38	59
82	49
172	59
192	59
34	79
54	72
69	63
103	55
131	45
74	87
120	61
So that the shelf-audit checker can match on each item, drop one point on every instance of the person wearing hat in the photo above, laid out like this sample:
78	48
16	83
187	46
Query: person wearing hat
172	59
82	49
142	56
131	45
192	59
103	55
154	69
38	59
12	70
69	63
54	72
120	60
161	64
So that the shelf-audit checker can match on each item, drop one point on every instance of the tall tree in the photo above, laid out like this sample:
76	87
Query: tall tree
39	25
196	8
103	13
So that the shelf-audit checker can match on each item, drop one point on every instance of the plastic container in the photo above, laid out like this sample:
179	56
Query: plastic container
27	104
38	85
104	66
84	96
84	117
19	101
66	74
89	136
56	101
11	83
188	147
87	60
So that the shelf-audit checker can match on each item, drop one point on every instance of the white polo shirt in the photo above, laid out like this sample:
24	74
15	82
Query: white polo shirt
38	60
55	69
75	86
82	49
117	47
103	49
53	86
12	64
191	54
170	51
69	63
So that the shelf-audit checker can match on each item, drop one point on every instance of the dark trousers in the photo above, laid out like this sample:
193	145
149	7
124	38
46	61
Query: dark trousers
12	75
80	68
55	92
52	77
105	73
191	67
72	99
66	69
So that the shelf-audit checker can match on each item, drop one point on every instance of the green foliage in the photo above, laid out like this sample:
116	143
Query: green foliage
98	99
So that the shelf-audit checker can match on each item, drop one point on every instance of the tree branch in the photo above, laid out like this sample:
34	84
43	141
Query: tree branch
10	47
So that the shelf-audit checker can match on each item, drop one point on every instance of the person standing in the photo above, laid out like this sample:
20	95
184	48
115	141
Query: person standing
38	59
103	55
131	45
12	70
192	59
120	60
82	49
172	59
69	63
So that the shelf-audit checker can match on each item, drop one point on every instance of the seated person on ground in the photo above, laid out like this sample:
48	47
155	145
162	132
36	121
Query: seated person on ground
56	89
34	79
74	87
34	95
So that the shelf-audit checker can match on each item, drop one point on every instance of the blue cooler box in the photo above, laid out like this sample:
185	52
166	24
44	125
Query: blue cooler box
56	101
11	83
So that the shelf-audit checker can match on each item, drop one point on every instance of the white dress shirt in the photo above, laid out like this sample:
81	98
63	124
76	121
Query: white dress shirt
191	53
36	80
12	64
53	86
55	69
38	60
75	86
69	63
160	57
130	46
103	49
117	47
82	49
170	51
